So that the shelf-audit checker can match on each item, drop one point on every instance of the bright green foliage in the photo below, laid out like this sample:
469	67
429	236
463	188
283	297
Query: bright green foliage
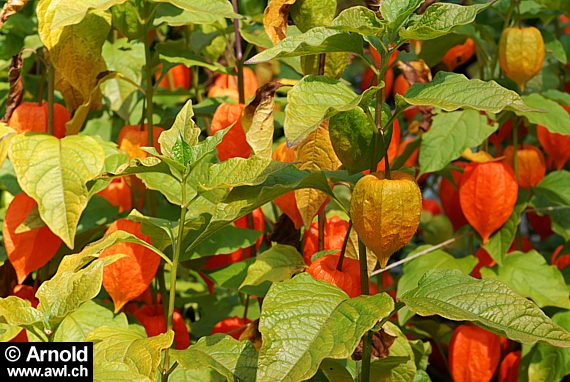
235	360
549	114
292	350
315	41
416	269
279	263
312	100
352	135
451	91
501	241
200	11
456	131
450	295
440	18
547	287
552	197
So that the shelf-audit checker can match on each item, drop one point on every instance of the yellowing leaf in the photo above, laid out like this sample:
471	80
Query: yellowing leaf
6	135
275	19
352	252
74	51
257	120
127	349
315	153
54	173
479	156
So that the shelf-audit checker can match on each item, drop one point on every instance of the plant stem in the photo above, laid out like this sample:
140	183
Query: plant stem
239	56
162	287
516	148
367	343
379	141
50	96
246	308
322	62
344	245
196	83
149	90
322	219
173	271
363	268
42	72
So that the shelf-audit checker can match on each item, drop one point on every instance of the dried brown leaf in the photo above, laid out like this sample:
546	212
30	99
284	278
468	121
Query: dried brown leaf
16	86
275	19
381	343
11	7
257	119
415	71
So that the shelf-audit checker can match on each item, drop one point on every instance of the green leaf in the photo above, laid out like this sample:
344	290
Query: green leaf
449	135
17	312
228	240
231	276
308	14
161	231
168	186
500	242
490	303
359	19
54	173
242	172
312	100
125	57
554	46
70	12
440	18
414	270
335	370
548	363
399	366
200	11
552	197
293	350
433	50
558	96
235	360
94	249
181	374
127	350
175	52
77	325
315	41
181	152
8	332
278	263
183	127
451	91
397	11
531	276
244	199
66	291
550	114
